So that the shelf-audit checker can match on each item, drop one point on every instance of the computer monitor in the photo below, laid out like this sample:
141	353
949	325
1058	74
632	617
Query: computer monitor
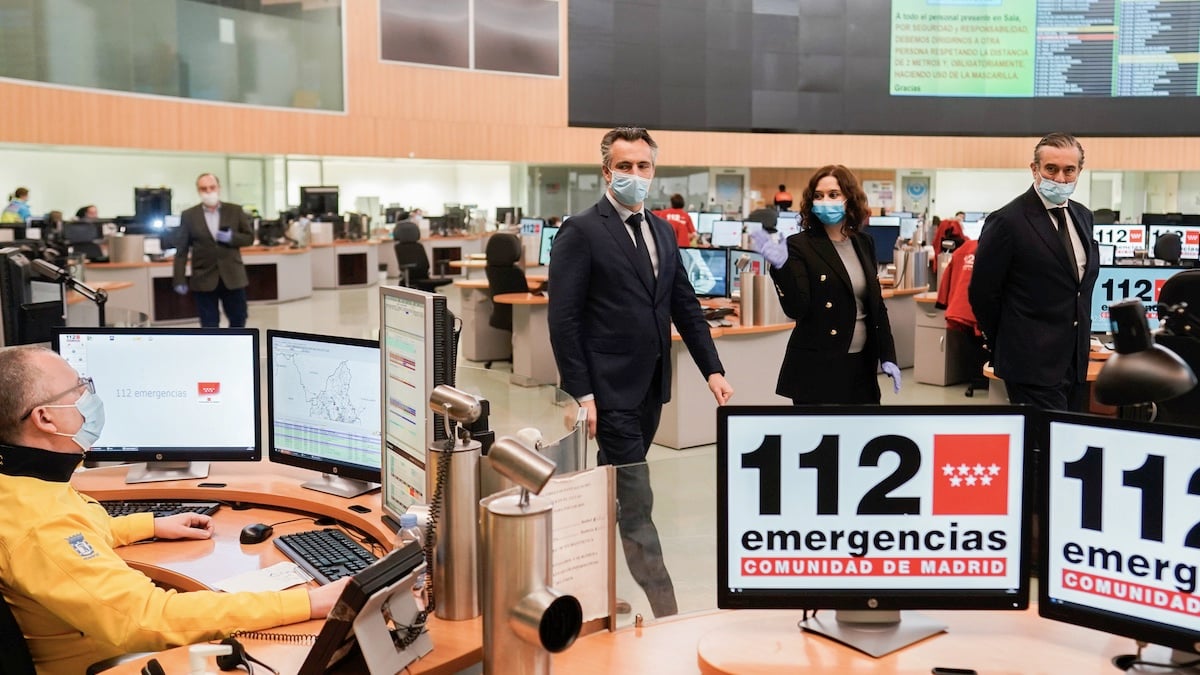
695	216
883	508
170	233
549	232
150	207
1162	218
1108	254
30	310
707	269
908	227
531	226
175	398
318	200
874	221
82	232
1119	529
1124	237
755	265
270	232
885	237
727	233
752	226
418	353
902	214
323	409
973	216
787	224
704	222
1189	239
508	215
1119	282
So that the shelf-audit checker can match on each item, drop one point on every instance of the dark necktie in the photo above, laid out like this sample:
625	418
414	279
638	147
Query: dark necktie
639	241
1059	216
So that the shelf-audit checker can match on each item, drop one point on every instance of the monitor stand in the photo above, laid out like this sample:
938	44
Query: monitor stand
152	472
339	486
874	632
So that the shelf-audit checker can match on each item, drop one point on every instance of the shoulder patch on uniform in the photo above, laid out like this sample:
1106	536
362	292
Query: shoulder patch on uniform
81	546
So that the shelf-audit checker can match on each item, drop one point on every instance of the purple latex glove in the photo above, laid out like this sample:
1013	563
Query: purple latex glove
893	371
775	252
224	236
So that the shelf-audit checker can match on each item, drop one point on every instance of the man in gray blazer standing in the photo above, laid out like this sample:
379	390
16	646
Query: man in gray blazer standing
213	232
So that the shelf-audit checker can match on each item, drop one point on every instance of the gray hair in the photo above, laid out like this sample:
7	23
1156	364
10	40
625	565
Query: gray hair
631	134
208	173
22	386
1057	139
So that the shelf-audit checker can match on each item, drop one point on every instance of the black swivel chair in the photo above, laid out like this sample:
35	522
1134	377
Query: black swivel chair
504	276
413	261
1104	217
1183	287
1168	248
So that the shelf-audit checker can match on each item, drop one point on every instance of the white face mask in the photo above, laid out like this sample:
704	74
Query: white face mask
210	199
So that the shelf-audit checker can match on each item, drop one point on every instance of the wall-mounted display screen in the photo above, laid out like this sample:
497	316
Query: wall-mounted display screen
995	67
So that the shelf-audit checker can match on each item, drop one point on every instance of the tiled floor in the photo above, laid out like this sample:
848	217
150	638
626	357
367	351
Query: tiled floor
684	481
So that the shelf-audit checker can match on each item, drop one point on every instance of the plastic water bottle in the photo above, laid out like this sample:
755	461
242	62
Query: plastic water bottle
410	531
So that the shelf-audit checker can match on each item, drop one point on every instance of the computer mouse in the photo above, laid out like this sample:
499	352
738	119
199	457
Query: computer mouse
256	533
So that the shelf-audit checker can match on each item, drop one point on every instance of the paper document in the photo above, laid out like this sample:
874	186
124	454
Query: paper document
274	578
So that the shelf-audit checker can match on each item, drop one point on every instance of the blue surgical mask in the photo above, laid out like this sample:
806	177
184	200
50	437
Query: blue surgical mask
830	213
629	189
92	409
1055	192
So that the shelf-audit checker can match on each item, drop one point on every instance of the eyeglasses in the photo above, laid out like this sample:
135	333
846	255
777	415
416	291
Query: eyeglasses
83	382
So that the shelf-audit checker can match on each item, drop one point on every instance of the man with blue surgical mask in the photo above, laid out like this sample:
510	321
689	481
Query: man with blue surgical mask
617	284
75	600
1031	289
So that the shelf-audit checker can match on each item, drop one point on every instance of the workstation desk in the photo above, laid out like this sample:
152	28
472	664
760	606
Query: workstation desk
276	274
273	493
345	264
481	342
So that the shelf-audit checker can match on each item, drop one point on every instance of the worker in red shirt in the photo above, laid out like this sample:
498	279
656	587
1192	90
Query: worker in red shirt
681	222
783	199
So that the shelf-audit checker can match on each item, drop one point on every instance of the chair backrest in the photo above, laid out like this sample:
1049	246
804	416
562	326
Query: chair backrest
503	251
1182	287
413	253
406	231
1168	247
1104	217
15	658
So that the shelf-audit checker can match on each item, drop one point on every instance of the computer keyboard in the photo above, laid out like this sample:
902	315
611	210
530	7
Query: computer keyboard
158	508
327	555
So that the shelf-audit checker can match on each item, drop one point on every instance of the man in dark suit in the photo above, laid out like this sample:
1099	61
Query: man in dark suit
213	232
1031	289
616	285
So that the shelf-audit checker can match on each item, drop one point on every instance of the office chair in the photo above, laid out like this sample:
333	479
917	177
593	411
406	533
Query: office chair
1104	217
504	276
1182	336
15	658
1168	248
414	262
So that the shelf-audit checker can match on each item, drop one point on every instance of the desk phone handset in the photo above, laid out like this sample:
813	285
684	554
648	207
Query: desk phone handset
713	313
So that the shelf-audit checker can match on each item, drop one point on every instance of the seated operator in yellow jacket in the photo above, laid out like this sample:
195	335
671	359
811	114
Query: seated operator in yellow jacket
75	599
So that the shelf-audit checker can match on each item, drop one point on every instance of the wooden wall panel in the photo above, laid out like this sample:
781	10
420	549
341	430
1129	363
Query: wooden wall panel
394	110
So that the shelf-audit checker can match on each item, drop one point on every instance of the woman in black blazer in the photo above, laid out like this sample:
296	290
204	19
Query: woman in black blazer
826	279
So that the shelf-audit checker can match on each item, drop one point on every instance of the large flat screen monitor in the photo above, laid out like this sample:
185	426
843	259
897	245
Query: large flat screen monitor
787	224
175	398
704	222
1120	282
727	233
1189	239
323	409
549	232
873	508
707	269
755	264
885	237
318	200
1120	529
1125	238
417	351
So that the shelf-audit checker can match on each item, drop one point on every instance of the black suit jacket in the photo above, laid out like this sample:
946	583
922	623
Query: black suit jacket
1033	313
608	324
212	260
814	289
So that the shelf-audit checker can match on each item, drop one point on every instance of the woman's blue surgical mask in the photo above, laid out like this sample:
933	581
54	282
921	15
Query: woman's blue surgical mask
629	189
1055	192
830	213
92	409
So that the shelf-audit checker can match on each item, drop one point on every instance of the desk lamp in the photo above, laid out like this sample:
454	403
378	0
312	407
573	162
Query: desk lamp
1140	371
